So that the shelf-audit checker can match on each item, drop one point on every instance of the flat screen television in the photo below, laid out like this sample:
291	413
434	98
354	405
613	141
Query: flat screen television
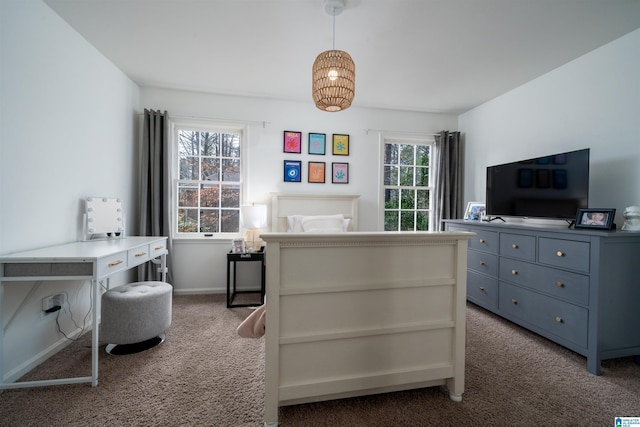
553	186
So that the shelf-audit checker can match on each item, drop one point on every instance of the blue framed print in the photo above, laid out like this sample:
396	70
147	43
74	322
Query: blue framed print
317	143
292	171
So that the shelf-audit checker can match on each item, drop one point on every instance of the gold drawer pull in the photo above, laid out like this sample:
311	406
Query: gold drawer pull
113	264
559	319
481	240
560	284
514	301
157	248
481	262
482	288
140	254
514	272
514	246
560	253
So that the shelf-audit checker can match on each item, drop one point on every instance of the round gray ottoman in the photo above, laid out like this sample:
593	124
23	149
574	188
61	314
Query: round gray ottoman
135	316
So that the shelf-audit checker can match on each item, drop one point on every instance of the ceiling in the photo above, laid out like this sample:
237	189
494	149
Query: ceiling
442	56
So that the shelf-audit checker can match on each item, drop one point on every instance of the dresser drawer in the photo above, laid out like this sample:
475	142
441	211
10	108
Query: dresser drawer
112	264
518	246
482	290
572	287
484	241
569	254
483	262
565	320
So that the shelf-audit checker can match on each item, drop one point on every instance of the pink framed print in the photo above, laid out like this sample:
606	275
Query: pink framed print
292	142
340	173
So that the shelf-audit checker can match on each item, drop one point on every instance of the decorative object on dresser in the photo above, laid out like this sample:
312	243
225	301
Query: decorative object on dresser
631	216
475	211
595	218
577	288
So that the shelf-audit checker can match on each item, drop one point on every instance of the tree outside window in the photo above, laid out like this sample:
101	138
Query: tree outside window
209	182
406	182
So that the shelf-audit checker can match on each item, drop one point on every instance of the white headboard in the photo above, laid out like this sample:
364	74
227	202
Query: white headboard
283	204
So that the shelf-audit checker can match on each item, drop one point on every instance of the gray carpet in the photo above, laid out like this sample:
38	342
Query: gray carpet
204	375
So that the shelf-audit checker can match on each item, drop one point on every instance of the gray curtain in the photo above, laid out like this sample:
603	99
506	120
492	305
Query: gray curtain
448	160
155	186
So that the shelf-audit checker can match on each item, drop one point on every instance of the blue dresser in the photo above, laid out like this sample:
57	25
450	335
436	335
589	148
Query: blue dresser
578	288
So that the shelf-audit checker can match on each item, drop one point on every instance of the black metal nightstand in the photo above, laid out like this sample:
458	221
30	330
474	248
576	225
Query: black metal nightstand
234	258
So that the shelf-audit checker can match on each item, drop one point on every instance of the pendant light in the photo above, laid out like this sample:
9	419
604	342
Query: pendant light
334	72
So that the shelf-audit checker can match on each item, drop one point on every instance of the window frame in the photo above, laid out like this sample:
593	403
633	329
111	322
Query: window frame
407	139
204	125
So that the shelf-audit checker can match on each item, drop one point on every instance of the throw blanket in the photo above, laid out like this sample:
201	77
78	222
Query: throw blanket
254	325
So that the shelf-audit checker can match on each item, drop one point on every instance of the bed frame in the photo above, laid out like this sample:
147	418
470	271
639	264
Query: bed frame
360	313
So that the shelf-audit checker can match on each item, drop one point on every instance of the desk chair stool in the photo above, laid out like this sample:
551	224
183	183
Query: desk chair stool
135	316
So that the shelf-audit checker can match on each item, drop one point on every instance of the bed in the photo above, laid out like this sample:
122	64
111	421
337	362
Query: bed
356	313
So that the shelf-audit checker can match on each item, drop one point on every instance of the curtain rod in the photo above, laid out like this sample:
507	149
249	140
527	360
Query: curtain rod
217	119
401	132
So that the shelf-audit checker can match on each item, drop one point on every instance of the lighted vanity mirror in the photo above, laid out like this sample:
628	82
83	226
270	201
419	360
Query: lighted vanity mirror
104	215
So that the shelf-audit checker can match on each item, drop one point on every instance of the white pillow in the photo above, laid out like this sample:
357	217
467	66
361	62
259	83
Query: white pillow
293	223
323	223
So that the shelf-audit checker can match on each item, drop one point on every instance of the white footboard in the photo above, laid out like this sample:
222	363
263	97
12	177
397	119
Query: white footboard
361	313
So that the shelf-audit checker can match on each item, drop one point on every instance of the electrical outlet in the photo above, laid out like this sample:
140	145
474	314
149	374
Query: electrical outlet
52	301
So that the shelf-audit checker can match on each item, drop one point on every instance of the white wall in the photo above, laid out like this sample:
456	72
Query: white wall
592	102
67	131
201	266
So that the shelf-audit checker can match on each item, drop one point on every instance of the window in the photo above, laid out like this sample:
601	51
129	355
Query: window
407	184
208	187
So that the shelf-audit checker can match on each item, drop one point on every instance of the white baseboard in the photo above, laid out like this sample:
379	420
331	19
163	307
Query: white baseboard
203	291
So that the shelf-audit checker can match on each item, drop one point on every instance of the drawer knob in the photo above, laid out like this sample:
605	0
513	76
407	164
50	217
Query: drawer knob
560	253
481	262
514	246
140	254
514	272
559	319
113	264
482	288
514	301
481	240
560	284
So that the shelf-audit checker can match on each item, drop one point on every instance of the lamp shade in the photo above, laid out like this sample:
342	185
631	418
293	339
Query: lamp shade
254	216
333	80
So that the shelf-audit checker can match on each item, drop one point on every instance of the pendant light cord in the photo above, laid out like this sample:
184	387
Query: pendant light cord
334	27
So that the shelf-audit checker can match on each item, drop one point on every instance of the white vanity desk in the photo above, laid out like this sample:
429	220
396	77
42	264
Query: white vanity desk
87	260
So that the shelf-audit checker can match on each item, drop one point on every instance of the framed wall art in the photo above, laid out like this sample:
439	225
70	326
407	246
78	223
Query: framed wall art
340	144
316	172
292	142
340	173
292	171
595	218
317	143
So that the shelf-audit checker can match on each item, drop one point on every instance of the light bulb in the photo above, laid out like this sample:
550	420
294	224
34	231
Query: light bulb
333	75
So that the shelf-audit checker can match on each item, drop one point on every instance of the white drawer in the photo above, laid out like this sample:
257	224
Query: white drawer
157	248
138	255
112	264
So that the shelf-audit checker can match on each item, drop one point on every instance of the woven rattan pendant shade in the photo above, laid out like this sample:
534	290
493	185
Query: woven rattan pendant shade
333	80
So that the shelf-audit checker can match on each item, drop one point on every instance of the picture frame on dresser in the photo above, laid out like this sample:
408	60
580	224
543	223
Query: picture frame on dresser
601	219
475	211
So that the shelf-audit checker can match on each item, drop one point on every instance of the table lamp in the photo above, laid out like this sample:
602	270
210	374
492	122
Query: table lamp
253	217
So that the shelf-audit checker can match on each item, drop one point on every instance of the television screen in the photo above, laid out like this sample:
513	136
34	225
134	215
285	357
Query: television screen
552	186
